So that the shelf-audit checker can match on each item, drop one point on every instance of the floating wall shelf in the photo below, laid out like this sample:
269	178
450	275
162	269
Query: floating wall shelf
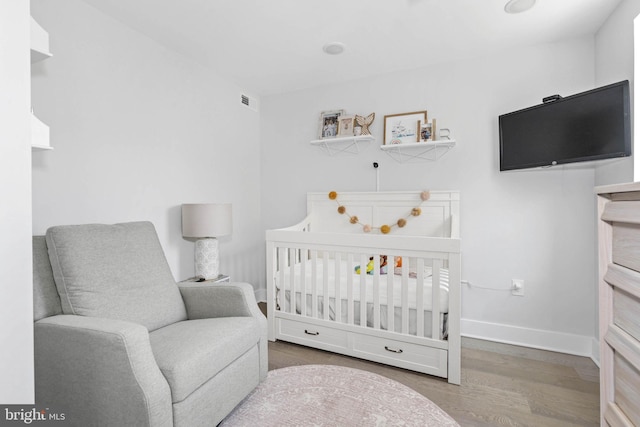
39	52
344	145
419	151
39	43
39	135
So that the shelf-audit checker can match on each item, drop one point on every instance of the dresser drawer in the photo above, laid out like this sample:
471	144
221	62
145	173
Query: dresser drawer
402	353
627	388
626	245
310	334
626	312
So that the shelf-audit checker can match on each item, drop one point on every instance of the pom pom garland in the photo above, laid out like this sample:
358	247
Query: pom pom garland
384	229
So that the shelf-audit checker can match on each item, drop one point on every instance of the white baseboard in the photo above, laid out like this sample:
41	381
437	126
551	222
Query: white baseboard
595	351
579	345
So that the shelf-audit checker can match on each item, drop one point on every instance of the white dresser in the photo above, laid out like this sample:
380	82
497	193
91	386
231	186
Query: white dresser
619	296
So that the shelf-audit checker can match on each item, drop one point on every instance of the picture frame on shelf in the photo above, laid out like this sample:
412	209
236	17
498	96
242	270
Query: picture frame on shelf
328	125
403	128
345	125
428	131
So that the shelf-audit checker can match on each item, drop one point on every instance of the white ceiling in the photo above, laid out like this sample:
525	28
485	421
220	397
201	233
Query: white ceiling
274	46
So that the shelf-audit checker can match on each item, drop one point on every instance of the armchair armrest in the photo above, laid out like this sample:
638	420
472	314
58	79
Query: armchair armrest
98	369
226	300
220	300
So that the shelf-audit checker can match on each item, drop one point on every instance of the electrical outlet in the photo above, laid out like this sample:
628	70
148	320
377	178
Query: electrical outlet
517	287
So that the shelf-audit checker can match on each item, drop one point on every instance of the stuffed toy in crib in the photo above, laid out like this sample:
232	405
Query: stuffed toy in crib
383	265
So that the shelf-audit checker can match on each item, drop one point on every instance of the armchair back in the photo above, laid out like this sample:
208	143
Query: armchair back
114	271
46	301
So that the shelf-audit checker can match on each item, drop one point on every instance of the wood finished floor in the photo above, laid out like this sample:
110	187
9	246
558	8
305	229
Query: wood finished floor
501	385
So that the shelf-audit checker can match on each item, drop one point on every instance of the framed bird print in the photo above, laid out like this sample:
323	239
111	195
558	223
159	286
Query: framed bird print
403	128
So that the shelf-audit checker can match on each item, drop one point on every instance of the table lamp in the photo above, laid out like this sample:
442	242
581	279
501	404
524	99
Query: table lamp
205	222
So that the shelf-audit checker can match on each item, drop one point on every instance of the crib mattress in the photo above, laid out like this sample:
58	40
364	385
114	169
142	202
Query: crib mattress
340	275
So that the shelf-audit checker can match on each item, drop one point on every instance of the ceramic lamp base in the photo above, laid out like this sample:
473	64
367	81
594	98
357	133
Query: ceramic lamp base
206	257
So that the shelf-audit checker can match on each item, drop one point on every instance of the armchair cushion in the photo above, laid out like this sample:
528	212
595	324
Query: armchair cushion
192	352
114	271
226	300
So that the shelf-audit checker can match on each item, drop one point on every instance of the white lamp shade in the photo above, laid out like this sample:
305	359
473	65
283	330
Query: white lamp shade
206	220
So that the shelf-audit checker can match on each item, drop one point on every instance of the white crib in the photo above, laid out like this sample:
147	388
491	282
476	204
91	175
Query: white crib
408	317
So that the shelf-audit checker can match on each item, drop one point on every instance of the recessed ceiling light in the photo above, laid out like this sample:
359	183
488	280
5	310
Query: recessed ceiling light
517	6
333	48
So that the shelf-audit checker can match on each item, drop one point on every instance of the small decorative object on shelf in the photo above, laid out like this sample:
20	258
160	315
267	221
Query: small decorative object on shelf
345	125
403	128
428	131
364	123
328	126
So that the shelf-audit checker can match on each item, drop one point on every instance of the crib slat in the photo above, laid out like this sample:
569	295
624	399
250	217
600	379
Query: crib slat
405	295
453	318
363	286
282	297
338	282
303	282
376	291
420	297
390	304
435	299
292	280
314	284
350	270
325	285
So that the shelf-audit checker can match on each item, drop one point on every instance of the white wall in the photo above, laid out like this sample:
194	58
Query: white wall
16	315
533	225
613	63
138	130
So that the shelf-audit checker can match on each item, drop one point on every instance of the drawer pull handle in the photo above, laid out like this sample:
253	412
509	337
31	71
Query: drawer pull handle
311	333
393	350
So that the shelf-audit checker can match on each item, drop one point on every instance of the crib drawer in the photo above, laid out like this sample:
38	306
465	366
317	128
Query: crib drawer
313	335
406	355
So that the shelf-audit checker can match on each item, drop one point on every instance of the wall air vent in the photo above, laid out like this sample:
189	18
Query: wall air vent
249	102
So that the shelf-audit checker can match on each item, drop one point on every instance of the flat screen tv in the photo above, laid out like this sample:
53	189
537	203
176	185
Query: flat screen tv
591	125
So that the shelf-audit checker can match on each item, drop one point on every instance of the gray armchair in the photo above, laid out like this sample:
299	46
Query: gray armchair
118	343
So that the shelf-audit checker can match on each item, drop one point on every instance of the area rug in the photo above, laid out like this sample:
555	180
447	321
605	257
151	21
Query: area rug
326	395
